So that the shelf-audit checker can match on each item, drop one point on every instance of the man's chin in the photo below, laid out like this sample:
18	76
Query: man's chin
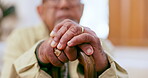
60	20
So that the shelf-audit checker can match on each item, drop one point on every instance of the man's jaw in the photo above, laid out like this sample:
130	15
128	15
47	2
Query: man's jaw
64	18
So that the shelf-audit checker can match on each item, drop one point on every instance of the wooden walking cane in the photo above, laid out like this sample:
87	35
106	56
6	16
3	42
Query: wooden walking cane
89	68
89	65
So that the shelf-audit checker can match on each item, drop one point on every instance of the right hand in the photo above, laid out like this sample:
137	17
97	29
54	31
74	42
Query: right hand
46	54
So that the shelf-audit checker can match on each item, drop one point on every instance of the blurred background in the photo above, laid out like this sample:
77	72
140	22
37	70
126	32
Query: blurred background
123	22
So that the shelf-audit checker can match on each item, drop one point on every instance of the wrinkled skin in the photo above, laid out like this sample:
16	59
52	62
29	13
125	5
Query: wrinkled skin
63	21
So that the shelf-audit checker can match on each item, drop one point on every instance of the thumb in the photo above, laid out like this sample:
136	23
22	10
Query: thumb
87	49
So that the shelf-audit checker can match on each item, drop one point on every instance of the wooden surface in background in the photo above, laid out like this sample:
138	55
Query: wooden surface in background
129	22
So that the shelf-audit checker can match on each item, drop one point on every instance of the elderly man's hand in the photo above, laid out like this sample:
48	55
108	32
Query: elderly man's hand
69	33
47	54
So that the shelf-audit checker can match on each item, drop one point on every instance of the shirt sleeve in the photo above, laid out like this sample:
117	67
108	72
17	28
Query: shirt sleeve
19	62
115	70
27	65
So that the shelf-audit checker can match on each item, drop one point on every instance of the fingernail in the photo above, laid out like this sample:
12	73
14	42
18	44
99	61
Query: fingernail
52	34
69	43
89	51
53	44
59	46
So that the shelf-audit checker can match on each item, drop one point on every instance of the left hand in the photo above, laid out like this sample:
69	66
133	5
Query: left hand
69	33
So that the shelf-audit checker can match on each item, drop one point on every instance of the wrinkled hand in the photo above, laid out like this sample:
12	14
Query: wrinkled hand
69	33
46	54
68	53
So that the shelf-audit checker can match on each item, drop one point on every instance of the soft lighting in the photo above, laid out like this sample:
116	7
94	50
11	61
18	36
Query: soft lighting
96	17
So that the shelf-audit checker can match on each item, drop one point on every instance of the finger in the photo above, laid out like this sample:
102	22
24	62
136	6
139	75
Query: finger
73	31
53	59
86	48
88	30
47	54
63	58
61	31
43	50
58	26
71	53
80	39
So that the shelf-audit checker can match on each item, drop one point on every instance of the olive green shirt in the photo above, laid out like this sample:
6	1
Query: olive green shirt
20	59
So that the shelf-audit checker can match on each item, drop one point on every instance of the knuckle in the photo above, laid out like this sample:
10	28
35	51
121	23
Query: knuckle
67	20
74	30
88	37
56	39
66	26
61	32
64	38
58	35
62	41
